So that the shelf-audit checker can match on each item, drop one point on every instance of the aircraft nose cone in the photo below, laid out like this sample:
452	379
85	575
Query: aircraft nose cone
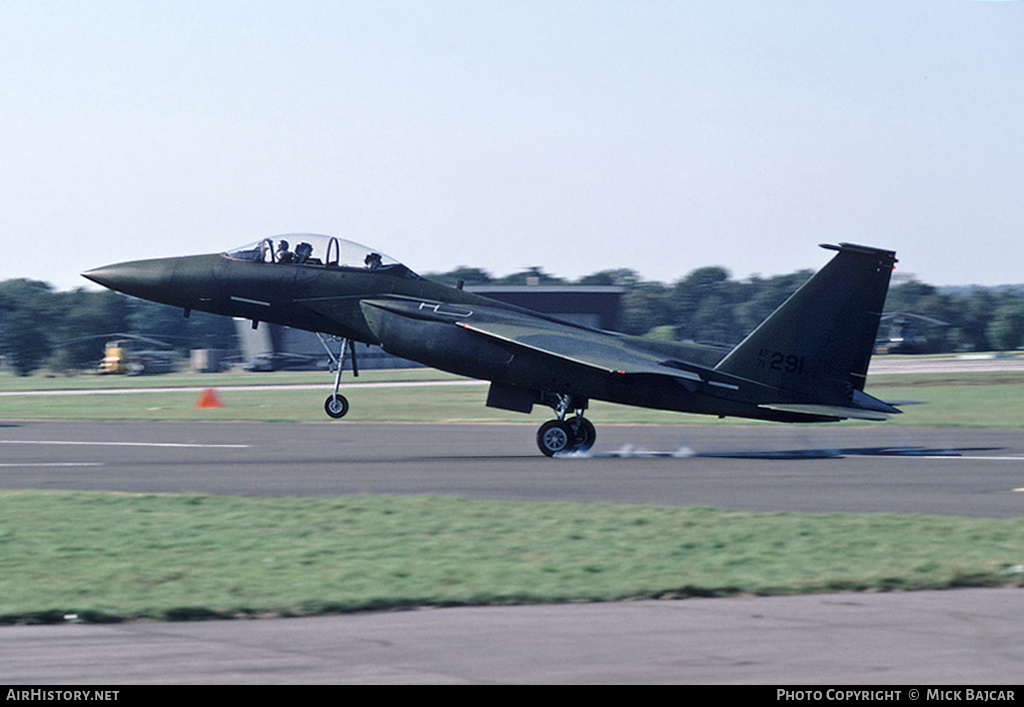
188	281
108	276
142	278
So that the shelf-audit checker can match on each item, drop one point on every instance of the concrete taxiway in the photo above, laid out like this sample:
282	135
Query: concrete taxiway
967	637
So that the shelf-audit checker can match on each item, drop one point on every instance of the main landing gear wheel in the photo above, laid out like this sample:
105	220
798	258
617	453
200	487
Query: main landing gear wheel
585	434
336	406
555	436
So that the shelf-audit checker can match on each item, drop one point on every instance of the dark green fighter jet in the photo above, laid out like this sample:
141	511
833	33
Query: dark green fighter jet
806	363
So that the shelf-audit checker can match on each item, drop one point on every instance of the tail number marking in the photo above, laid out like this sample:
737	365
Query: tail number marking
780	361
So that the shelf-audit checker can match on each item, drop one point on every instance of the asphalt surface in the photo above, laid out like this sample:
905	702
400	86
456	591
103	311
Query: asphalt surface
865	468
965	637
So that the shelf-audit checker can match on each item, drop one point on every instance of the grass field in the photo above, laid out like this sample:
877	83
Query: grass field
948	400
106	556
109	557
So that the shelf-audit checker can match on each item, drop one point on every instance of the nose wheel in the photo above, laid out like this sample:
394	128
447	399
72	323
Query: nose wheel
336	406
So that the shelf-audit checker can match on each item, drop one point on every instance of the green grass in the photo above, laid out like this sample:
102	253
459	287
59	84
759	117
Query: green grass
120	557
960	400
106	557
87	381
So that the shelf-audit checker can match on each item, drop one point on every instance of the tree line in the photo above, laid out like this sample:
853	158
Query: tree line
65	331
708	305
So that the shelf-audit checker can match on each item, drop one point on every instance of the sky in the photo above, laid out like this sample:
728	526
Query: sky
577	136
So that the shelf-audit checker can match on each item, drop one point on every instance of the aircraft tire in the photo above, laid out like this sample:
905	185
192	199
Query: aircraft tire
585	434
555	436
336	406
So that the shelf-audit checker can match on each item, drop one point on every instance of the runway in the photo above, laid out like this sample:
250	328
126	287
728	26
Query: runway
973	472
965	637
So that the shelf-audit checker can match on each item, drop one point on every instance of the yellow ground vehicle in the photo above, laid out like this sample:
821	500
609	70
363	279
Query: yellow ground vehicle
120	358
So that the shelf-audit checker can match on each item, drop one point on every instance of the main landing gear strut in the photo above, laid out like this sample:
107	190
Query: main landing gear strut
562	436
336	404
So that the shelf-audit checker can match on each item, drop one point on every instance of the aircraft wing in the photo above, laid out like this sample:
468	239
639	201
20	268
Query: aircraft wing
579	345
602	351
609	353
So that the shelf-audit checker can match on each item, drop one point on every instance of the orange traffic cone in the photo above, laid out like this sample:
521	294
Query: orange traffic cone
208	399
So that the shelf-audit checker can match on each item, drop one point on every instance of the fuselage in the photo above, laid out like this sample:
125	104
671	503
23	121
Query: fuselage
805	363
392	307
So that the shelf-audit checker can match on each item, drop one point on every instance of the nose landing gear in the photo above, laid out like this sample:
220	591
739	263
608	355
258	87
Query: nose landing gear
336	405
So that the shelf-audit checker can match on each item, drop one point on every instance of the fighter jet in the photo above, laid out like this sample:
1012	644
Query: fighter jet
807	362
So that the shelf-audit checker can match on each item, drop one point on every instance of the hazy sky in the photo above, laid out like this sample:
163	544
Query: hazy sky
576	136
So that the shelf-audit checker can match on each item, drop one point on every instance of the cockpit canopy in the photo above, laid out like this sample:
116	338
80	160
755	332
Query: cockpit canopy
314	250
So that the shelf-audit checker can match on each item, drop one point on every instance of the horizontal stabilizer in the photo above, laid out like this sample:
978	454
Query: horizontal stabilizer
864	401
864	407
828	411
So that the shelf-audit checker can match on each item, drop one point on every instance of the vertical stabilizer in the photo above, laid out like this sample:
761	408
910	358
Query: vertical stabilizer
819	341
